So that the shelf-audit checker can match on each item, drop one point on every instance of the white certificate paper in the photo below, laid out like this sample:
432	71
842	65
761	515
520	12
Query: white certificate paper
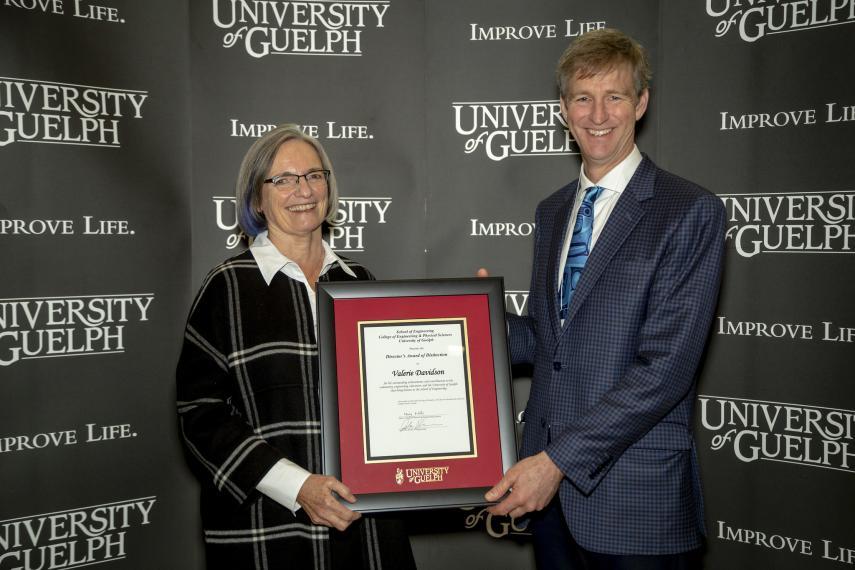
416	392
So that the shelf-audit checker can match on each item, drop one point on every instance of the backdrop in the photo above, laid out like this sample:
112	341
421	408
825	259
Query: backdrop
122	125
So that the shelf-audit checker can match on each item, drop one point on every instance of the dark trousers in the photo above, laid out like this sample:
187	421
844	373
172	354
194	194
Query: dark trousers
555	549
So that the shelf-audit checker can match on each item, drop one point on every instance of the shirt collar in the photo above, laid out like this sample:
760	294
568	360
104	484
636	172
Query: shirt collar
271	261
618	177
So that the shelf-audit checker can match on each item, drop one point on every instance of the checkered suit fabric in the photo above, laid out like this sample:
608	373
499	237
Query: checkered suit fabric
614	388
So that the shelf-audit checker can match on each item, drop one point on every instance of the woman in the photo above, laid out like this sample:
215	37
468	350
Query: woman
248	380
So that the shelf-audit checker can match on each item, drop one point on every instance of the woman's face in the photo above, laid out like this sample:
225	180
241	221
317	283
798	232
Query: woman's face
299	211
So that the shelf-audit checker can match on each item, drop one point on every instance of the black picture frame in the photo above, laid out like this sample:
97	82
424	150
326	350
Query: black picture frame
327	294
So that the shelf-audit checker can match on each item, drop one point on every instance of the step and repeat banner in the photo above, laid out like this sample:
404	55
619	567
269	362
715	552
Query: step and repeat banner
95	230
122	126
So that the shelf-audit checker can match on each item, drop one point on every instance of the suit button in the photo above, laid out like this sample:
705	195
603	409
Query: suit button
556	366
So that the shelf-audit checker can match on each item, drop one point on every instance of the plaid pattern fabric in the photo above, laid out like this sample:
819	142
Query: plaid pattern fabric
613	390
247	383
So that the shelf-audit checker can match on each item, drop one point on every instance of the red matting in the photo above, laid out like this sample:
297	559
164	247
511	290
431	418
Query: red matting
423	474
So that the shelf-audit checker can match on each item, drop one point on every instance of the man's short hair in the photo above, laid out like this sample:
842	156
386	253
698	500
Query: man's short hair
601	51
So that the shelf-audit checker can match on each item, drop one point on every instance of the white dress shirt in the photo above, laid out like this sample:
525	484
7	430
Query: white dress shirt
284	480
614	183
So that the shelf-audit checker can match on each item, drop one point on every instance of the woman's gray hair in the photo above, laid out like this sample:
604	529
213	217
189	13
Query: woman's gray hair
254	170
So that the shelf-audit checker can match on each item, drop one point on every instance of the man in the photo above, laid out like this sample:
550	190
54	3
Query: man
626	272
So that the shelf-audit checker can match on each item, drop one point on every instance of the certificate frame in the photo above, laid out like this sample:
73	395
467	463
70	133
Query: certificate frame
440	478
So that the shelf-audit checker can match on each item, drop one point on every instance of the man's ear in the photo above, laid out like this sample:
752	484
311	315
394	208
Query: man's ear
641	105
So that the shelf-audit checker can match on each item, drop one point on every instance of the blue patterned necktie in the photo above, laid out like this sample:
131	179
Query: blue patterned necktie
580	248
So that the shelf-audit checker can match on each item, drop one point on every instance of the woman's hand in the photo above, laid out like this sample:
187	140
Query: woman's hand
317	496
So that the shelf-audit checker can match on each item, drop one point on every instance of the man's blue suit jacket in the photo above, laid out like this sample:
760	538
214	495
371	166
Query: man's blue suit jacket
613	390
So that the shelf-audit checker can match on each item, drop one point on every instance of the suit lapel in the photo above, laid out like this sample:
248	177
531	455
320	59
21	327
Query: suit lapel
559	233
623	219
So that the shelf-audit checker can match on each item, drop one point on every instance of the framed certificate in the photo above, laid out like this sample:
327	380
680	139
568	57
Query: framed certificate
416	403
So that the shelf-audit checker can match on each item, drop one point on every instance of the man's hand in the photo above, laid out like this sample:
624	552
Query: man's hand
530	485
317	499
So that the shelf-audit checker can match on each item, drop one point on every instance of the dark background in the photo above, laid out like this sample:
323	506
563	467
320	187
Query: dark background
180	157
